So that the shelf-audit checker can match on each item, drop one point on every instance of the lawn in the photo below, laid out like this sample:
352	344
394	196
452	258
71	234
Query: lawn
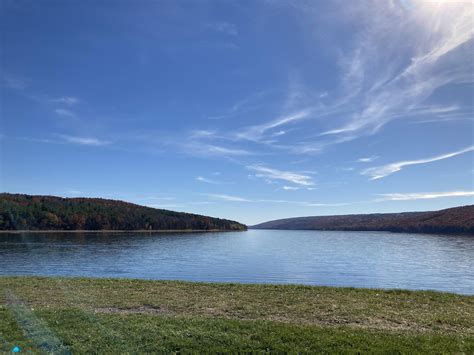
118	315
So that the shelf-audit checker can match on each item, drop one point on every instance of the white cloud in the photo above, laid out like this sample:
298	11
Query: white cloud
197	143
255	133
64	112
218	150
84	140
207	181
367	159
400	58
274	174
231	198
385	170
202	133
227	198
297	107
290	188
430	110
67	100
423	195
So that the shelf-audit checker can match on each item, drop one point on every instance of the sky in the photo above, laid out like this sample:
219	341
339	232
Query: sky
247	110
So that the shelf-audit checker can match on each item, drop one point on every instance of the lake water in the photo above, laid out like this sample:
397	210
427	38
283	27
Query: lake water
359	259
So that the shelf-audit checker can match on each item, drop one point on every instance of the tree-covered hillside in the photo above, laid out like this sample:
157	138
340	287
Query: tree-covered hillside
451	220
26	212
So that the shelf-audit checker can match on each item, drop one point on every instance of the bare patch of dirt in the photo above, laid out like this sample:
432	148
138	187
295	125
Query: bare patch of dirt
151	310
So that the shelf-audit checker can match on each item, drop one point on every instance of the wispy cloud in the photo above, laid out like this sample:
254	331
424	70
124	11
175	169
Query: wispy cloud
64	112
380	84
433	110
207	181
245	105
83	140
295	107
224	27
290	188
67	100
230	198
423	195
269	135
21	86
15	83
201	143
385	170
367	159
202	134
227	197
65	139
255	133
215	150
274	174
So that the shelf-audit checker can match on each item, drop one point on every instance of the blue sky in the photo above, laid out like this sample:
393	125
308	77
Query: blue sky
249	110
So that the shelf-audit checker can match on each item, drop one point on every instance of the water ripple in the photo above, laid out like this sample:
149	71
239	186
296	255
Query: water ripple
358	259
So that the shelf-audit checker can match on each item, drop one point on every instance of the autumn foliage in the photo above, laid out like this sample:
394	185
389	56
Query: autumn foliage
26	212
452	220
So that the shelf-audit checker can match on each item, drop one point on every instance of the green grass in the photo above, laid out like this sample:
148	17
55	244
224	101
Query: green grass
87	315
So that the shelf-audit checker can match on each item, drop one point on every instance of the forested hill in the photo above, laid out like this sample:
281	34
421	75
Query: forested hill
452	220
26	212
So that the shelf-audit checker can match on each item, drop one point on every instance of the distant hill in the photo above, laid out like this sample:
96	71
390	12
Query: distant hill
451	220
26	212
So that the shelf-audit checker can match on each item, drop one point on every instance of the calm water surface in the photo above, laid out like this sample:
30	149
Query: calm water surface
359	259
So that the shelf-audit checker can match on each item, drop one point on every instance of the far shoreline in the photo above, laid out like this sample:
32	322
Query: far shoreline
370	231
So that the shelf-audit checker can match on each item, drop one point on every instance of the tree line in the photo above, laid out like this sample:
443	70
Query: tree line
27	212
449	221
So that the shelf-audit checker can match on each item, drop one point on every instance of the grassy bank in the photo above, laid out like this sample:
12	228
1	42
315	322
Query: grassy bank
85	315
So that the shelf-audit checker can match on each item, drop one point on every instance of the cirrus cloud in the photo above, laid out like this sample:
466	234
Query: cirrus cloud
423	195
385	170
274	174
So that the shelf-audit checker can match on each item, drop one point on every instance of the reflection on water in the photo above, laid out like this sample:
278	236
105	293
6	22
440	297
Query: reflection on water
359	259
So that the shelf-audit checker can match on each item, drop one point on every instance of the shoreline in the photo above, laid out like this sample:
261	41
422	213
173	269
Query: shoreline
370	231
52	231
120	231
228	283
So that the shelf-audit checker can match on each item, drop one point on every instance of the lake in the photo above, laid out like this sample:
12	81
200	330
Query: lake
358	259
